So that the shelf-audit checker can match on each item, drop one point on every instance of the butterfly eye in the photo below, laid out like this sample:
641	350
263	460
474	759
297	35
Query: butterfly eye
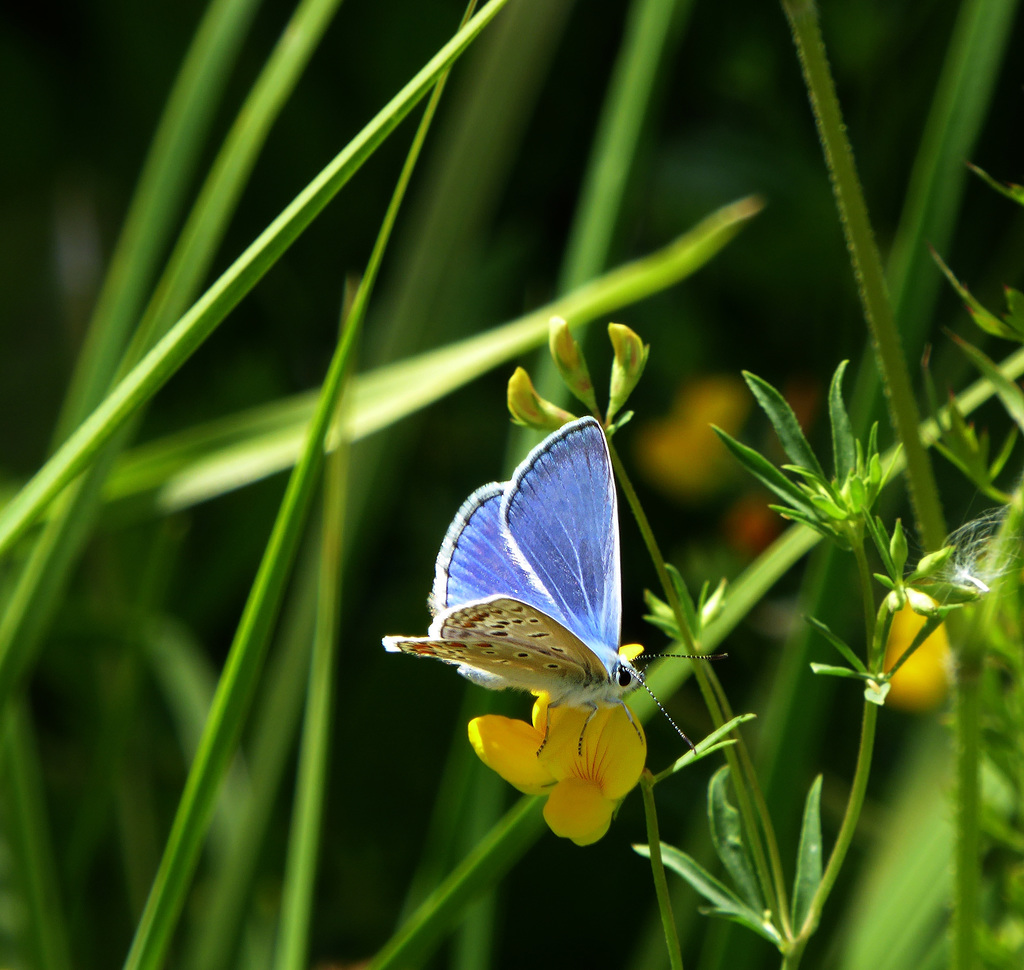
624	676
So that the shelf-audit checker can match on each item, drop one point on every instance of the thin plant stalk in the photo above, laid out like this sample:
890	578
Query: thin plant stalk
867	265
668	924
292	947
844	839
292	951
750	801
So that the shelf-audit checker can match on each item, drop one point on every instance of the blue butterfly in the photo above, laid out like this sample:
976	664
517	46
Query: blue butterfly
527	583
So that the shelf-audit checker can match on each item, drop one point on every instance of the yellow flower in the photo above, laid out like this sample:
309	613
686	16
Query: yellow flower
584	787
922	682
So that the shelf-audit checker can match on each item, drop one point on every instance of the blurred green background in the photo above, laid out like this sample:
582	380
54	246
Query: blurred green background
481	240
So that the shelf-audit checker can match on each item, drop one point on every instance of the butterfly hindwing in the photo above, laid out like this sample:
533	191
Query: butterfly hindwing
560	513
511	644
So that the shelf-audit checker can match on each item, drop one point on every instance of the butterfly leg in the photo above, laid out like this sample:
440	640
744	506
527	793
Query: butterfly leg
547	727
636	727
590	717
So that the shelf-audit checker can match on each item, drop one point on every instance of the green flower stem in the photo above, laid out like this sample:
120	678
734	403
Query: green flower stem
843	840
867	265
668	923
969	652
966	804
749	798
867	603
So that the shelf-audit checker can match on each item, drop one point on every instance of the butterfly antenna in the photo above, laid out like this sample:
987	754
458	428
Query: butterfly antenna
661	707
687	656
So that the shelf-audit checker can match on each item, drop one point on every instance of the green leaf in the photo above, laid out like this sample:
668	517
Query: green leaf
766	473
840	645
831	671
785	423
1014	308
712	743
1009	392
811	523
988	322
724	901
829	508
843	448
809	856
898	548
1009	189
727	836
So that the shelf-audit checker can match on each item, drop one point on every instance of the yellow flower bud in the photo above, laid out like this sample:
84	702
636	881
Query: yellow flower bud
565	352
529	409
630	358
921	603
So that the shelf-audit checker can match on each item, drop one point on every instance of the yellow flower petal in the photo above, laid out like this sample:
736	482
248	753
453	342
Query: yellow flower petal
922	682
509	747
614	748
577	810
588	763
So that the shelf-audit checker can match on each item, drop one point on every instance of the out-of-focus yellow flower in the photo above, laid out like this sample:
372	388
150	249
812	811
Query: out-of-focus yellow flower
584	784
680	454
923	681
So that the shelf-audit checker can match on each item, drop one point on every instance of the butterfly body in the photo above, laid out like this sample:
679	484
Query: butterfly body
526	588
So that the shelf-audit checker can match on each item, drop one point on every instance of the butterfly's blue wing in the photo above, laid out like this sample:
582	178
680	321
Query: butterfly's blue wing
560	512
476	560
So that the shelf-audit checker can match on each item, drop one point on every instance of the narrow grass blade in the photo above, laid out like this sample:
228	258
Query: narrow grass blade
228	176
213	935
146	378
963	91
26	821
809	856
245	658
231	452
237	683
157	202
651	26
57	548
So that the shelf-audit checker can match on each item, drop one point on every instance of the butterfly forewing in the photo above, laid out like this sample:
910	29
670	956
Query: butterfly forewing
560	512
512	644
476	562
